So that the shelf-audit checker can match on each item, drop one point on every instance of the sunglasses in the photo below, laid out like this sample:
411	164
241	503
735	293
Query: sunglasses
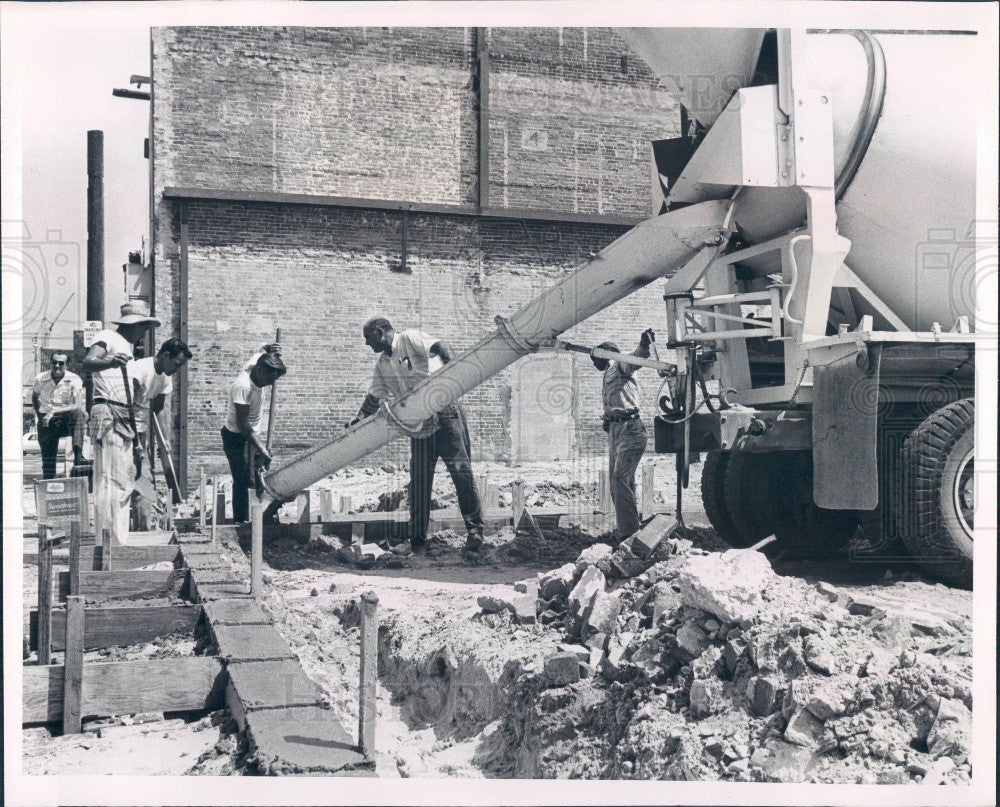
58	363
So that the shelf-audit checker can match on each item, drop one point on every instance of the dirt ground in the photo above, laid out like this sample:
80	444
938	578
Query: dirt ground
465	692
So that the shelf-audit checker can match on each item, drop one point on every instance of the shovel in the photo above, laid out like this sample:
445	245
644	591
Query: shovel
143	482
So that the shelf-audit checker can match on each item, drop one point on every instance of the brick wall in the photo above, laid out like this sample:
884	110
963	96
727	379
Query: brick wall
389	114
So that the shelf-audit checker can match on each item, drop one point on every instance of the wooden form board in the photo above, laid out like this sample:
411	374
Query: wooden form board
119	627
125	584
126	687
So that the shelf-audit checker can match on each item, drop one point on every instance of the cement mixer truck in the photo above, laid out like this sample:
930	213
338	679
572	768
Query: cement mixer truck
817	249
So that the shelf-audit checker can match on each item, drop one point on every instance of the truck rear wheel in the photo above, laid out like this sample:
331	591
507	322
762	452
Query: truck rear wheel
935	510
748	488
713	495
798	522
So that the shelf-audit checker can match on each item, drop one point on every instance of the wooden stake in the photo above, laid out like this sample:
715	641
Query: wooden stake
326	505
272	408
203	502
517	499
73	668
345	504
256	550
647	489
302	505
367	707
215	506
44	595
74	557
220	500
105	549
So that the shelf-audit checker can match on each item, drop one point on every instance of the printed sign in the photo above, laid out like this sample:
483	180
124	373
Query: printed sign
90	331
61	501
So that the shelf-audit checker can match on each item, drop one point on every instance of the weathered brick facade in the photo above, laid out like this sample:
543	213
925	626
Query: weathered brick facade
393	114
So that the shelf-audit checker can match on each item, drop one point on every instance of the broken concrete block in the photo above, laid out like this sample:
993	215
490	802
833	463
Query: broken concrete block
524	609
585	670
562	669
578	650
583	593
860	605
646	541
951	732
731	654
831	592
349	554
648	657
692	639
528	586
831	699
880	662
763	695
372	550
938	772
558	582
728	585
596	657
665	601
702	698
493	605
593	555
601	616
626	564
804	729
818	654
598	641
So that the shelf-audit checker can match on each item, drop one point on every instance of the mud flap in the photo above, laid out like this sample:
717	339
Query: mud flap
844	429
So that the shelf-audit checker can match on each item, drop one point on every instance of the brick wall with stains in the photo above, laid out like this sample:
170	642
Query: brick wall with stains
391	114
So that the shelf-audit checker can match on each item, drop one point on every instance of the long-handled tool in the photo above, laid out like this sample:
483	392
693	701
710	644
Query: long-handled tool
143	482
167	458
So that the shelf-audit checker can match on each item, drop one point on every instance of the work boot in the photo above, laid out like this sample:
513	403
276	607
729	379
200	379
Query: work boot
474	542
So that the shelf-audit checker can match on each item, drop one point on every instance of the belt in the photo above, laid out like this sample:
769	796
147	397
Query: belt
622	417
109	401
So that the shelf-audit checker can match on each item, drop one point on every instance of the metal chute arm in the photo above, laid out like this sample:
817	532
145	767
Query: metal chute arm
651	250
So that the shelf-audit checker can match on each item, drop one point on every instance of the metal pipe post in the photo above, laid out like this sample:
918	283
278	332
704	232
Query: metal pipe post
44	595
273	406
95	225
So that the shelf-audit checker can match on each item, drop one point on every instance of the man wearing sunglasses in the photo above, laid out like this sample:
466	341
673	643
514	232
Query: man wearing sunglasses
57	397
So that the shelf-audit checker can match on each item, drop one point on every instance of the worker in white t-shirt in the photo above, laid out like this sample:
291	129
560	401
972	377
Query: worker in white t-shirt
110	424
240	434
151	382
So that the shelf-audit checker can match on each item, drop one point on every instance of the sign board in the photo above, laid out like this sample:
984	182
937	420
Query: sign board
61	501
90	331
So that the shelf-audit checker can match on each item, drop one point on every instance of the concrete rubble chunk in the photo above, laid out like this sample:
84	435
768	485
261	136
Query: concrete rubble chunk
818	654
625	563
583	593
492	604
937	773
732	651
831	592
593	555
373	551
860	605
578	650
951	732
596	658
648	657
558	582
692	639
646	541
880	662
763	695
665	601
524	608
703	698
562	669
831	699
598	641
528	586
728	585
602	615
804	729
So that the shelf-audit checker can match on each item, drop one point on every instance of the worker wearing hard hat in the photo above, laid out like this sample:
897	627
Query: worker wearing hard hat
626	432
407	358
110	417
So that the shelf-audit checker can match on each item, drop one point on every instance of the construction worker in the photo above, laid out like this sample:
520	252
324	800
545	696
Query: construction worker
405	359
110	418
57	396
151	382
240	439
625	429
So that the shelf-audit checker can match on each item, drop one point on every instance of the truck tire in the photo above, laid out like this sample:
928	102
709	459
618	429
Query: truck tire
713	495
799	524
934	512
747	489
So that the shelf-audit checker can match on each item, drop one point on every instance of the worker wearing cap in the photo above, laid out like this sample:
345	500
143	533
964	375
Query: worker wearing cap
57	396
407	358
110	421
626	432
240	434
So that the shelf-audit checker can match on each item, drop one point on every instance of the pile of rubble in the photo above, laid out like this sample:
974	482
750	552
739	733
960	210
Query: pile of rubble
684	664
